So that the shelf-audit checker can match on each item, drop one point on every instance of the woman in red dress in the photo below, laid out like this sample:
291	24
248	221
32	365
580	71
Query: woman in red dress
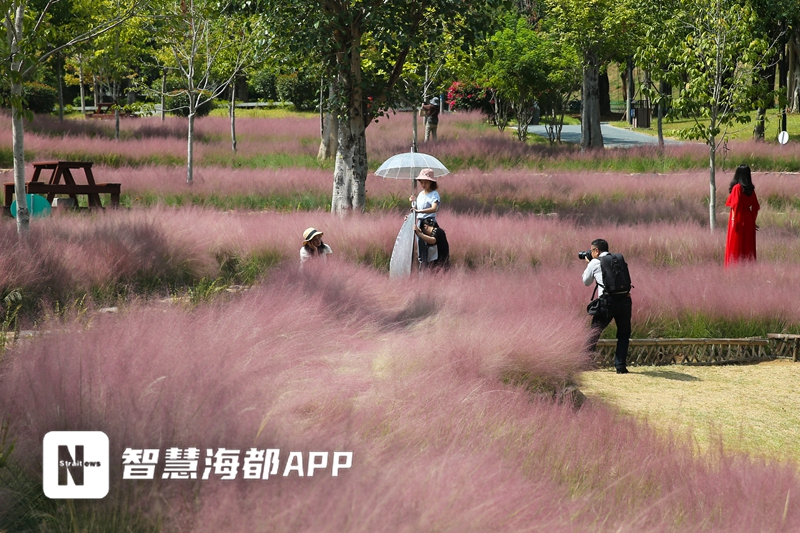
741	243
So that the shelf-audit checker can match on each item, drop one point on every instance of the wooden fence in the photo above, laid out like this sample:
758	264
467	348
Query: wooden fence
699	351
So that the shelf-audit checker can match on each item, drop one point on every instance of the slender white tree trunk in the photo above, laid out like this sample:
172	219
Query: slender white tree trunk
414	129
712	172
233	116
190	148
83	90
18	135
14	30
629	96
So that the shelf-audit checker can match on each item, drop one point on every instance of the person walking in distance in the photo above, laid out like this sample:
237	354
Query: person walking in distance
612	280
431	112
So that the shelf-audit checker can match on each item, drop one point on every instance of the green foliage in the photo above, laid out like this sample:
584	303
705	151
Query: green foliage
178	104
262	85
37	97
298	88
608	29
716	57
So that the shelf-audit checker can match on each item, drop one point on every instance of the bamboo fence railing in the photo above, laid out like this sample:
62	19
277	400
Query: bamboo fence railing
701	351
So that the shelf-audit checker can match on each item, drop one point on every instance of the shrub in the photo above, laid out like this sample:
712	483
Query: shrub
469	96
178	104
297	88
38	97
262	85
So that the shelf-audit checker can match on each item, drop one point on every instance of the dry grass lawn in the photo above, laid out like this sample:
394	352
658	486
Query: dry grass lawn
754	408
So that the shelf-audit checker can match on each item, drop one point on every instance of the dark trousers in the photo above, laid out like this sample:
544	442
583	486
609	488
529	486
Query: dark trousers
422	253
619	309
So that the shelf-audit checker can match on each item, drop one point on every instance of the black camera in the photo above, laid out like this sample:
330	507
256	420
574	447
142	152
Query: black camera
585	255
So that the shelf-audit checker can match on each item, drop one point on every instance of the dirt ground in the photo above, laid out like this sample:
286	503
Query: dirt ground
755	408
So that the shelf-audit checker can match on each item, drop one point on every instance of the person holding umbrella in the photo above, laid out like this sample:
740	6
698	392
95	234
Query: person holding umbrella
425	207
409	166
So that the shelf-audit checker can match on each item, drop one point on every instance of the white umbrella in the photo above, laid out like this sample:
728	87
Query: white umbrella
408	166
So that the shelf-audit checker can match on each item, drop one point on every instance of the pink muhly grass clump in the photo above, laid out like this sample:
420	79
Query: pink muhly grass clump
219	180
746	292
64	254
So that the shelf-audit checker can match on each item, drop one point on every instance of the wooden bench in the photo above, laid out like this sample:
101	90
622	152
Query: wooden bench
63	170
104	110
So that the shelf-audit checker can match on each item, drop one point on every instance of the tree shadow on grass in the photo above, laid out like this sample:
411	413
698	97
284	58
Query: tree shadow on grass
669	374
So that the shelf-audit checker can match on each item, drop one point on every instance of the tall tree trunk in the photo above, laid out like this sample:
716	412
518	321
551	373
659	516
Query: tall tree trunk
14	30
83	90
712	182
60	75
783	70
604	94
115	99
233	117
350	173
414	128
190	139
96	87
758	131
662	91
761	79
329	135
791	73
163	94
591	136
629	92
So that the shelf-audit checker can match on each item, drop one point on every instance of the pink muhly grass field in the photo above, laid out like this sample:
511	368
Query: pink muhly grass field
587	197
465	141
681	263
407	377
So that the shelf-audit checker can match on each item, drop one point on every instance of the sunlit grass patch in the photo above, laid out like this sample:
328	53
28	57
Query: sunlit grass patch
754	408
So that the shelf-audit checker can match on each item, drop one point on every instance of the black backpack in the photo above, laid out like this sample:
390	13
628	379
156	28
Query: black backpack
616	278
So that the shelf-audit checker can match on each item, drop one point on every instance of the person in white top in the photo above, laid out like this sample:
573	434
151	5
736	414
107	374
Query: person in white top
426	205
313	246
619	307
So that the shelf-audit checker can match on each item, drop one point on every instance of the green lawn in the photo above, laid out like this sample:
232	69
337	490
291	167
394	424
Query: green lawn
672	128
753	408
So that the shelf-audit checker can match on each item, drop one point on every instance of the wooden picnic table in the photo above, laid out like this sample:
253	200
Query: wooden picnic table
63	170
105	110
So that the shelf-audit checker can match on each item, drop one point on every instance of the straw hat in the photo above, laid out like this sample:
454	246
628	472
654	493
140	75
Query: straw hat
309	234
426	174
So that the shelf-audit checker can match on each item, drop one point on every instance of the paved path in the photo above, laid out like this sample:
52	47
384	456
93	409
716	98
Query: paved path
613	137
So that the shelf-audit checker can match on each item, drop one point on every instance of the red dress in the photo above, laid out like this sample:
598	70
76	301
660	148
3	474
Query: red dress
741	243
